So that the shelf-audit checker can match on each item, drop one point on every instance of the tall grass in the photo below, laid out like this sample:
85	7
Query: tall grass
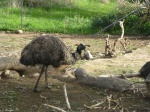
74	19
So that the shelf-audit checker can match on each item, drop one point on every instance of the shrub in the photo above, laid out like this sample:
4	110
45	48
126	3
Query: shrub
105	20
137	23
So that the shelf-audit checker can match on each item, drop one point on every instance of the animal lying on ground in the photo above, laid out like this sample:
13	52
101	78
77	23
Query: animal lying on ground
78	53
47	50
88	55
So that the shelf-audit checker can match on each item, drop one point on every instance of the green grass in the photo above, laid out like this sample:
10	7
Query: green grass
63	19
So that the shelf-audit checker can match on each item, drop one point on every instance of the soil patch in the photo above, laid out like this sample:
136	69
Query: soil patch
17	95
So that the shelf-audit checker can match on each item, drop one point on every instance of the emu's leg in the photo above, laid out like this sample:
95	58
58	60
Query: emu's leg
46	78
35	87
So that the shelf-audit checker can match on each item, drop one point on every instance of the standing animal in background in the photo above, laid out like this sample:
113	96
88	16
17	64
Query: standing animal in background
145	71
46	50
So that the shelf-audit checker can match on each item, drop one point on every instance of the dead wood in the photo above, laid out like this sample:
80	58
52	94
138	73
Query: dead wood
108	49
54	107
8	63
42	101
147	95
123	40
66	97
111	83
111	104
124	76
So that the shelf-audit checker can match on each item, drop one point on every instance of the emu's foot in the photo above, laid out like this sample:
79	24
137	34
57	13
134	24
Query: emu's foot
36	90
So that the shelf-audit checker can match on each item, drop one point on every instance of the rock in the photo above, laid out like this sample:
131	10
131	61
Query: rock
68	74
35	75
9	74
80	73
19	32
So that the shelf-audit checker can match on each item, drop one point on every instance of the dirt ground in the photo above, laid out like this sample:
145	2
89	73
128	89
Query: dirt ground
16	94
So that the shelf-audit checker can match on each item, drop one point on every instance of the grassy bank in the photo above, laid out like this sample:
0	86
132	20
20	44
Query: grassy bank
76	18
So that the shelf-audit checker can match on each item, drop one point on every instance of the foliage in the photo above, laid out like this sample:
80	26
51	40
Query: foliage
103	21
70	16
137	23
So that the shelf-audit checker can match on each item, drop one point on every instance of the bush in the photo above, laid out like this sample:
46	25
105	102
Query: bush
137	23
103	21
47	3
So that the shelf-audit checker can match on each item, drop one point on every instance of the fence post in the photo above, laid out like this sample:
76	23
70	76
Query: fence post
21	14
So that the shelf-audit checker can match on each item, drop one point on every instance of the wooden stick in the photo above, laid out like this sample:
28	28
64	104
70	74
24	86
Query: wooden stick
108	50
43	99
108	100
95	105
122	40
88	96
54	107
115	45
122	28
128	75
66	97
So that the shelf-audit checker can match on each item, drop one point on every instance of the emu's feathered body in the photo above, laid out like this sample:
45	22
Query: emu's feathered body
145	70
46	50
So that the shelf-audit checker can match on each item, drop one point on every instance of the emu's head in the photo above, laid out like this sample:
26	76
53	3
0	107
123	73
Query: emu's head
69	58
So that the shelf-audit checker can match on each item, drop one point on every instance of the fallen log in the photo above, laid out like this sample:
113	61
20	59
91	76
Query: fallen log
111	83
9	63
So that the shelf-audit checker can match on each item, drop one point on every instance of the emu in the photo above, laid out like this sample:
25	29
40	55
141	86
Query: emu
145	71
47	50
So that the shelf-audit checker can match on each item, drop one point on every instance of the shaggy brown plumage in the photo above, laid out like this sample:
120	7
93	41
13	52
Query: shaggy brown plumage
145	70
46	50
